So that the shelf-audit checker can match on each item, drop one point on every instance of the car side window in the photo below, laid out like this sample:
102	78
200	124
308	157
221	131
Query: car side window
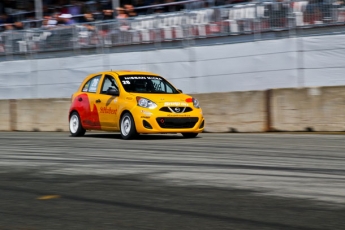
91	85
108	83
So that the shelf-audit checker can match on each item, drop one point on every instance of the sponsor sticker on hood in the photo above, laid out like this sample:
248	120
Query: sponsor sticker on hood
175	104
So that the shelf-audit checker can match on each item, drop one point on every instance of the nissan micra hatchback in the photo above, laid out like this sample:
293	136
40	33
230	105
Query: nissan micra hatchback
133	103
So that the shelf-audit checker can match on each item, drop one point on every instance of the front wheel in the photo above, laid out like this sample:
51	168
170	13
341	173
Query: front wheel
128	130
75	127
190	135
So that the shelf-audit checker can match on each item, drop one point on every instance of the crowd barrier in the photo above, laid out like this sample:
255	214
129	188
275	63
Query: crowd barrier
238	19
304	109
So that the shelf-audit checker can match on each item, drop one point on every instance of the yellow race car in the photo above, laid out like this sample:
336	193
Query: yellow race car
133	102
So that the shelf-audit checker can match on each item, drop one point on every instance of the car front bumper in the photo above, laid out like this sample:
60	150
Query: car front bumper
148	121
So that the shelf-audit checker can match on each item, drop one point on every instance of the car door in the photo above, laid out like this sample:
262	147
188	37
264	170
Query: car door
89	113
107	105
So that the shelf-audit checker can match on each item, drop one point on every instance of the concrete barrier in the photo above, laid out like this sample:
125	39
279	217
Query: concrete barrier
5	118
42	115
309	109
305	109
234	111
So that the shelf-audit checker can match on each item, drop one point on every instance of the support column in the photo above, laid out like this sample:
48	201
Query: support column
116	3
39	9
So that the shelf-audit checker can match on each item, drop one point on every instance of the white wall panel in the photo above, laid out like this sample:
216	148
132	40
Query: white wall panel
245	49
294	62
119	59
324	58
322	77
324	42
248	81
166	56
17	92
10	67
15	80
171	70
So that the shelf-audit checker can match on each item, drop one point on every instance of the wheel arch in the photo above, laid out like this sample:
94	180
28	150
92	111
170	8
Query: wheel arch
123	112
70	113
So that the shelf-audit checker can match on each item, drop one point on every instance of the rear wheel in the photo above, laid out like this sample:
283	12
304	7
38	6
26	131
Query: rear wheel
127	126
75	127
190	135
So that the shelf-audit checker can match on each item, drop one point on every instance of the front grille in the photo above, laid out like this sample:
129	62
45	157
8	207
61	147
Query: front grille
176	122
176	109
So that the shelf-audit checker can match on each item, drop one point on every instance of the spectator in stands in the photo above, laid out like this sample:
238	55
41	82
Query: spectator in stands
88	17
120	13
129	10
50	21
108	14
18	26
171	8
75	8
6	21
139	3
313	12
277	13
66	19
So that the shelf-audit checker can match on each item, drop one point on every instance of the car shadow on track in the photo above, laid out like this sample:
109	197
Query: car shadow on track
140	137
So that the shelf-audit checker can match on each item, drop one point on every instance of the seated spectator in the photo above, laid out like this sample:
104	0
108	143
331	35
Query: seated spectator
129	9
277	13
140	3
121	13
18	26
108	14
313	11
66	19
5	19
88	17
49	23
75	8
6	22
87	20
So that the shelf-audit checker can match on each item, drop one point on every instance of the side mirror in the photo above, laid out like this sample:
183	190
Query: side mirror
113	92
180	90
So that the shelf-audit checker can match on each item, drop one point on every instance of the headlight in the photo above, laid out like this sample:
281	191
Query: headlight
146	103
194	100
196	103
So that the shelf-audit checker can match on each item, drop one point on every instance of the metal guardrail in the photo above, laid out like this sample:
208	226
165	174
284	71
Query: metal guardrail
239	19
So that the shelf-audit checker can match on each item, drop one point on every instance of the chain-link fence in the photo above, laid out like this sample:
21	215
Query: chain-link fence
239	19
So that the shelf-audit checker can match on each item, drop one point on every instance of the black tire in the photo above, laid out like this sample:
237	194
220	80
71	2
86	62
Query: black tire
127	126
190	135
75	127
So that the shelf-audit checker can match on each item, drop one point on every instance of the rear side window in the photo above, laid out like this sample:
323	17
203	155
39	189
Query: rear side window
92	84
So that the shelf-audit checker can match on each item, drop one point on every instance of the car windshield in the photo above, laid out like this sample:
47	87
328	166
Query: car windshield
146	84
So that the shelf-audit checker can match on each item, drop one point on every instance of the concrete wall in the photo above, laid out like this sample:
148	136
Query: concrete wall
5	118
40	115
234	111
250	66
316	109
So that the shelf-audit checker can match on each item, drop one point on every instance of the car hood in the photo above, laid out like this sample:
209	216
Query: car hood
166	99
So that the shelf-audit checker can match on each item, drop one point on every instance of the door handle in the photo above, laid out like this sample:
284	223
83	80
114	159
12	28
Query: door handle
98	101
80	99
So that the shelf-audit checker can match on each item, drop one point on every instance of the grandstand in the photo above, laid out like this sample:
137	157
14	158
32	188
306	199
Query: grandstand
63	27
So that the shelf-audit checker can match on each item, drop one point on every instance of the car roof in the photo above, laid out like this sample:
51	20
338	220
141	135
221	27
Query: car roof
132	72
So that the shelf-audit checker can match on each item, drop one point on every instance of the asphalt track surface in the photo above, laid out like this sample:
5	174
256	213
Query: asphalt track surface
216	181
